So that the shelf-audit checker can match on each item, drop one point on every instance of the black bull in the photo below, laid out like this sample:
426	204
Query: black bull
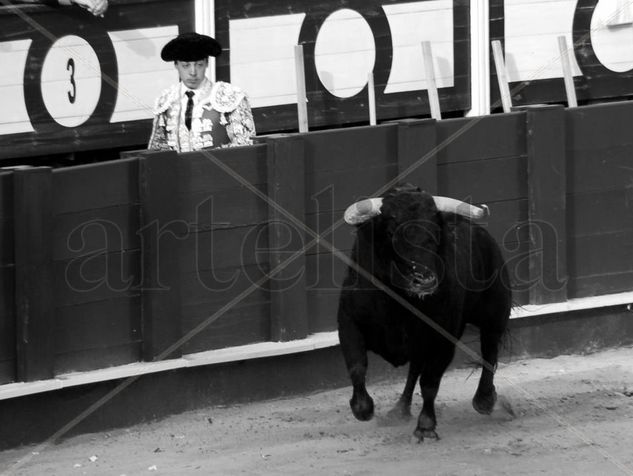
421	276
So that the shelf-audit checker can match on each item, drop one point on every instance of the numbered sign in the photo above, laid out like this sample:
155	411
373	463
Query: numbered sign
71	81
78	82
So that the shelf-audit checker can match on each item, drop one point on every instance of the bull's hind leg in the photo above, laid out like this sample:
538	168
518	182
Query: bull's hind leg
402	408
486	395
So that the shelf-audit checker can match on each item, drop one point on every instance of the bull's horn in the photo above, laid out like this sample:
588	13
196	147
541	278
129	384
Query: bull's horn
446	204
361	211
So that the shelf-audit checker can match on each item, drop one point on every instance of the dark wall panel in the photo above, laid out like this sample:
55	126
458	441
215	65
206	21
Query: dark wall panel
332	231
92	231
95	186
216	328
342	166
483	181
600	200
226	208
324	278
96	277
341	149
600	212
7	280
602	254
225	251
225	247
485	137
107	328
96	265
215	170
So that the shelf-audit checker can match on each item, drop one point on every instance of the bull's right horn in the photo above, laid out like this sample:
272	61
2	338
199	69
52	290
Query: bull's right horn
362	211
446	204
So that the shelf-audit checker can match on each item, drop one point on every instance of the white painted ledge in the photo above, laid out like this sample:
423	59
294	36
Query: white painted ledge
266	349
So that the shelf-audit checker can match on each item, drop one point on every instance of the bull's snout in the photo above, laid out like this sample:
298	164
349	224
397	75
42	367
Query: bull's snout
423	281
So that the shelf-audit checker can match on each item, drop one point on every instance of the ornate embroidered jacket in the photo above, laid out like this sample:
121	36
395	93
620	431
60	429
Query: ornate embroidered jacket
221	117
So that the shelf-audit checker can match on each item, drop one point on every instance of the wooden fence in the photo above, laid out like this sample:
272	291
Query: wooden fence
158	255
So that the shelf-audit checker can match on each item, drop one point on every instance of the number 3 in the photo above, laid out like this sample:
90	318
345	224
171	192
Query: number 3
70	66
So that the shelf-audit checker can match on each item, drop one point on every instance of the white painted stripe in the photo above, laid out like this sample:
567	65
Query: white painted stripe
531	38
262	57
142	73
268	349
410	25
14	118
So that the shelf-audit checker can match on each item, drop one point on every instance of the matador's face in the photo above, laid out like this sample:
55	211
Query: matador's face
192	73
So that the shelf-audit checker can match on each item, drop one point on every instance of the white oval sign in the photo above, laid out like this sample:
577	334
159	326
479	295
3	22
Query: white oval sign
344	53
71	81
611	34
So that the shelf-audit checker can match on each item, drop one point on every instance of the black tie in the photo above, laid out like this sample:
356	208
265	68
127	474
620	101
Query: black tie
189	109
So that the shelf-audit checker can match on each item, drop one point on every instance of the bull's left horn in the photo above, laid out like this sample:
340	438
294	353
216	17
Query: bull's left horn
446	204
362	211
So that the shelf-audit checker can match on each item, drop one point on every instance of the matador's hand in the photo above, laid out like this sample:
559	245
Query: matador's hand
96	7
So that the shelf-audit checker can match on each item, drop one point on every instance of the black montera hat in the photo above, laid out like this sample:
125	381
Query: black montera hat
190	47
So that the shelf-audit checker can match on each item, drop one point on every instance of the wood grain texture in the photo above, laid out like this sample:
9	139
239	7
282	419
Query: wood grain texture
33	273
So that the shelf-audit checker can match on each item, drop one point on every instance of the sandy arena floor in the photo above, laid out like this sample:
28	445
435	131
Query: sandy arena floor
573	416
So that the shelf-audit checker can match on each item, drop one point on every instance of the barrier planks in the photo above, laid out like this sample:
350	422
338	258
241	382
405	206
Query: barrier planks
96	265
600	216
7	281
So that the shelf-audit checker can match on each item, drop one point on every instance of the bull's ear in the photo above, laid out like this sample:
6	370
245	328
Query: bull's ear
446	204
362	211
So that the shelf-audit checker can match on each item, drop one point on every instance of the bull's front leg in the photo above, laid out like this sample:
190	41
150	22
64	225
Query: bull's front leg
434	368
355	354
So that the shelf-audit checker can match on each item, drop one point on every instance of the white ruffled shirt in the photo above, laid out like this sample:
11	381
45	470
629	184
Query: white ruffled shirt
221	117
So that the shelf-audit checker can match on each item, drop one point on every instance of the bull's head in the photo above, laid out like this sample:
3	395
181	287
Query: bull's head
409	230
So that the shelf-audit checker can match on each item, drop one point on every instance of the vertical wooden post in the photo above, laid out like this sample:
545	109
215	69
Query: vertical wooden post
302	98
371	96
431	85
502	76
570	89
417	158
547	203
32	189
286	190
158	191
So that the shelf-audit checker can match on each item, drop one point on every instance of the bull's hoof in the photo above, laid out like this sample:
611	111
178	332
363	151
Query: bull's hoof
362	408
420	434
485	403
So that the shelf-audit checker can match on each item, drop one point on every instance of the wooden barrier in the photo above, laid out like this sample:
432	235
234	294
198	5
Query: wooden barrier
96	253
599	200
158	255
547	193
32	189
7	280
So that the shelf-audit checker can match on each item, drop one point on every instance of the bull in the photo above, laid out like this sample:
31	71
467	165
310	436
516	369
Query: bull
421	269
